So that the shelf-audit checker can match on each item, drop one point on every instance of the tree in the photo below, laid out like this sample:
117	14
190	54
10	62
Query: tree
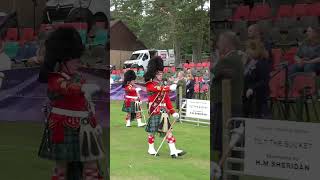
165	24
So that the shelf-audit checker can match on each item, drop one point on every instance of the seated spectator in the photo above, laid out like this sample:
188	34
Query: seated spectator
256	80
308	55
26	51
190	86
40	53
140	73
5	61
206	77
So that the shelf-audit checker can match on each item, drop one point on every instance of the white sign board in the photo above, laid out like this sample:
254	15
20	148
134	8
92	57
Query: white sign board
282	149
199	109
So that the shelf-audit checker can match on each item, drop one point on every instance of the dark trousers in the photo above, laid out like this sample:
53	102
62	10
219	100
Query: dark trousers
256	107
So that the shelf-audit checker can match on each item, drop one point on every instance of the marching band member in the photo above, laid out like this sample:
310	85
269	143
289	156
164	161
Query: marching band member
159	107
132	103
72	135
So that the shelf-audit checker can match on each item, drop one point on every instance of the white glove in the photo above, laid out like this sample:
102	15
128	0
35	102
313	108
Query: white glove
138	89
216	169
175	116
249	93
173	87
90	88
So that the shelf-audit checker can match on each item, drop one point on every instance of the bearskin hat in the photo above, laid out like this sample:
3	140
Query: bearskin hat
129	76
62	45
155	64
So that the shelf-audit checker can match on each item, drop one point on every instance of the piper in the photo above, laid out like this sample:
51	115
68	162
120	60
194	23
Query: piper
132	102
72	137
160	107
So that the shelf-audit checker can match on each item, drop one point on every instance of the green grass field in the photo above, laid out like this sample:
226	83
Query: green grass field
19	143
129	159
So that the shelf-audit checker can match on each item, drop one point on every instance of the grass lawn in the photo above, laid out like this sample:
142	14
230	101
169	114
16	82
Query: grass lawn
129	159
19	142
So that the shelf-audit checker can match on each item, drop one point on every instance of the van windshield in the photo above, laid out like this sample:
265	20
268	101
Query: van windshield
136	56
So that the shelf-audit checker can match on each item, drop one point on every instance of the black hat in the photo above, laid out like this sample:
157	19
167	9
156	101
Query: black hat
130	75
155	65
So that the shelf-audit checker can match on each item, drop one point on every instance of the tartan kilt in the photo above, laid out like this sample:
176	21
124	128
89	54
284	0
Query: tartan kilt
68	150
131	109
154	124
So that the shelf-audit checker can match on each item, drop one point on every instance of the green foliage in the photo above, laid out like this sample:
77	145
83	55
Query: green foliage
164	24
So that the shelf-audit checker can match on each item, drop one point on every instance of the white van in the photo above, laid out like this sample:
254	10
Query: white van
62	10
140	59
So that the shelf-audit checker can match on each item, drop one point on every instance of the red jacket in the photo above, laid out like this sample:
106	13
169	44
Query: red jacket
65	93
131	94
158	94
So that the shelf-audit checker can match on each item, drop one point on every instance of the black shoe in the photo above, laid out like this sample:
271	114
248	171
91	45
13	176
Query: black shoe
179	154
154	154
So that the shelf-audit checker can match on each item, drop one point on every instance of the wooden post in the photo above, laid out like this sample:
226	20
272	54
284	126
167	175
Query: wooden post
180	101
180	97
226	115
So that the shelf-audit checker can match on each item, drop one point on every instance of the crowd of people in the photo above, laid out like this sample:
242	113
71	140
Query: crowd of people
249	71
193	82
256	66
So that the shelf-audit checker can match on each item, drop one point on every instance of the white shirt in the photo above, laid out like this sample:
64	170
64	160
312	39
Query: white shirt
5	62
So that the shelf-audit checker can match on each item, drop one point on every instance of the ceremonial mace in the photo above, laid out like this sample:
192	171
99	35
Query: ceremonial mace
169	131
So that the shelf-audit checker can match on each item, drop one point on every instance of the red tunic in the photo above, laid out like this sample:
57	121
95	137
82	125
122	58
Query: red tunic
158	95
65	93
131	95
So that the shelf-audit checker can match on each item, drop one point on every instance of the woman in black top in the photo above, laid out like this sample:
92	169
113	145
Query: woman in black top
256	82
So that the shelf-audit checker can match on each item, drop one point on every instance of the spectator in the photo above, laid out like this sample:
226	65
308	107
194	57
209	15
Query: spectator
5	61
27	51
39	58
190	86
308	55
229	66
206	77
254	32
256	83
181	83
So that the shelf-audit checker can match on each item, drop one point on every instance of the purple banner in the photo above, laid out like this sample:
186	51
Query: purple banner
117	92
22	96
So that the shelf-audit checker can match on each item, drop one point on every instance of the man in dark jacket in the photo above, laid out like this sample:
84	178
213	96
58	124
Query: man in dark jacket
229	66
